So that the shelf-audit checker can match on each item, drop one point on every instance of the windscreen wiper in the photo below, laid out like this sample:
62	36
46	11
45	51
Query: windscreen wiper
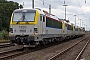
23	18
19	20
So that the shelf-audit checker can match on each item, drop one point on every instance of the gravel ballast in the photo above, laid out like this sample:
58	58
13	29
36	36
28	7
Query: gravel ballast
45	54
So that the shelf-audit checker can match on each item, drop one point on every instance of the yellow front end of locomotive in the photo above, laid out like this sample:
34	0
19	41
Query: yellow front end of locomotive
36	17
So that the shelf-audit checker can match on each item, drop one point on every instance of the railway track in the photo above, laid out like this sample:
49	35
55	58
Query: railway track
81	52
61	55
14	53
5	55
12	50
10	55
6	45
31	54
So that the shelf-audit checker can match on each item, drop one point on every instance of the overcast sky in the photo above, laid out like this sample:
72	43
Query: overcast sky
81	8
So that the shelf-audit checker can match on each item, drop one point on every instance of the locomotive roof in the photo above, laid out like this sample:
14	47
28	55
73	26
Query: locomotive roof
25	10
43	12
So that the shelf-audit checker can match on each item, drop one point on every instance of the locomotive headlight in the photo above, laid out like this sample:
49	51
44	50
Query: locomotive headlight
11	30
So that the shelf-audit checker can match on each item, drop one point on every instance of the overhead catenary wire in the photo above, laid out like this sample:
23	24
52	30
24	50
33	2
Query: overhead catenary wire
55	7
41	4
52	7
45	3
46	6
81	8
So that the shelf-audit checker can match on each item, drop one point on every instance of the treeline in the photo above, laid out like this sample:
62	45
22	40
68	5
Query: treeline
6	9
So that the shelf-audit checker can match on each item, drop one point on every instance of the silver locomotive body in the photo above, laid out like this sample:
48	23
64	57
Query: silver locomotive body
35	26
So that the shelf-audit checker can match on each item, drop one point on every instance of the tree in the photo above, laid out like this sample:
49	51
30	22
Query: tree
6	9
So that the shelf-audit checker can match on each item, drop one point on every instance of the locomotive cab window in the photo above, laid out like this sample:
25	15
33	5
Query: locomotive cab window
24	16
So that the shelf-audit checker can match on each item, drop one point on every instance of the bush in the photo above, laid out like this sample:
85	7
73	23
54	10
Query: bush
4	35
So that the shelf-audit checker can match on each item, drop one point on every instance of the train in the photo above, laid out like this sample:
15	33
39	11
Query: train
33	27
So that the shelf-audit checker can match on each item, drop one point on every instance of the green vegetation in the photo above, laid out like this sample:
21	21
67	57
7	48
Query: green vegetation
6	9
4	41
3	35
38	55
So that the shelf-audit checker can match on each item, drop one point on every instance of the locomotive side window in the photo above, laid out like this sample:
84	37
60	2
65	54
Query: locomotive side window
57	24
40	18
43	18
69	27
53	23
76	29
60	25
48	22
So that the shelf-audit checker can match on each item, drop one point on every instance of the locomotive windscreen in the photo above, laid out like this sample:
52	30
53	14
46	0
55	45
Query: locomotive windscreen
24	15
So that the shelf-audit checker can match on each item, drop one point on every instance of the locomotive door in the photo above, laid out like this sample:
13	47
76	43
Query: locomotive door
42	24
64	28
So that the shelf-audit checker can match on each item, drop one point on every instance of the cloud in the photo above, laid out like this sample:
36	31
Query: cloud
85	9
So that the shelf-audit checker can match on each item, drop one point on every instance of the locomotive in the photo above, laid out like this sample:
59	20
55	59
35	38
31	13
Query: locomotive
32	27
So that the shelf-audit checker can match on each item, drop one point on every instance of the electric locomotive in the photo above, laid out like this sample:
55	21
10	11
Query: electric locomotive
32	27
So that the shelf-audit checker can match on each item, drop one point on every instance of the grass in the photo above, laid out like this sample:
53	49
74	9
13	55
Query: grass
4	41
89	56
38	55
